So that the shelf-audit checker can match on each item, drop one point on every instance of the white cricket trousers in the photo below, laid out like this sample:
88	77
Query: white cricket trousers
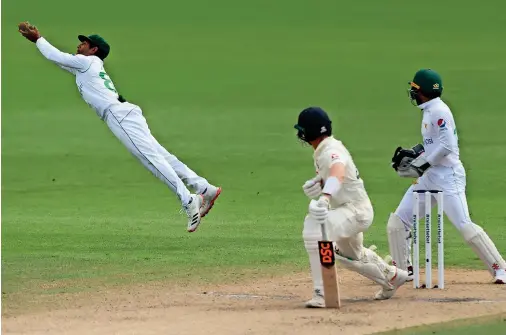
129	125
450	180
345	226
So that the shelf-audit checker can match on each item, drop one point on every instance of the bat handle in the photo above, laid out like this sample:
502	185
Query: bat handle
324	232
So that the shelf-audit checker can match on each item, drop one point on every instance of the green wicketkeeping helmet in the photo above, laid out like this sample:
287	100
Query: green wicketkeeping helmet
426	81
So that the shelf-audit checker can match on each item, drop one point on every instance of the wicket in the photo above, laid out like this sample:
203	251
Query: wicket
438	195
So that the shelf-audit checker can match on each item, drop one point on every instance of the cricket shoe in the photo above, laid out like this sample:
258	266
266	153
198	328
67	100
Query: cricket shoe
388	259
410	273
210	195
399	279
317	301
192	210
500	276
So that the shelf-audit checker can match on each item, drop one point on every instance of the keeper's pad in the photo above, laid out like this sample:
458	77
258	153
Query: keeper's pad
483	246
398	241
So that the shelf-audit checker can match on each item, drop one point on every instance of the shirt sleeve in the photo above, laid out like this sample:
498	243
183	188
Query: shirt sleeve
332	157
447	140
69	69
78	62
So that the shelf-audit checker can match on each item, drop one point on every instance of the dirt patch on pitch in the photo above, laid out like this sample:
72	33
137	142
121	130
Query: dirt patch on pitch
267	306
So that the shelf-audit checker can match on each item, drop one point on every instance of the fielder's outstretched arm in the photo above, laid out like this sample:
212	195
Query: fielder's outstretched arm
80	63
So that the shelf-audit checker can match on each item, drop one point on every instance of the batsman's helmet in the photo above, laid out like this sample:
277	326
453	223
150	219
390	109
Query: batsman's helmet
313	122
426	81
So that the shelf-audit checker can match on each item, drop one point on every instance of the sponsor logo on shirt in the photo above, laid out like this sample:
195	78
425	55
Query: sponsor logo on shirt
441	123
428	141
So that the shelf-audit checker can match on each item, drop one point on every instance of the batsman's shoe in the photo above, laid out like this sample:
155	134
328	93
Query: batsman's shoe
500	276
399	279
388	260
193	212
210	196
318	301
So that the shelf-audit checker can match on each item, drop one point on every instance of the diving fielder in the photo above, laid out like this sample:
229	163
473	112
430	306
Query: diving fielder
339	200
126	121
436	164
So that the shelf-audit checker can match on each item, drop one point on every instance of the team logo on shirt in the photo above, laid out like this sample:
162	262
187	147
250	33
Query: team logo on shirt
441	123
334	157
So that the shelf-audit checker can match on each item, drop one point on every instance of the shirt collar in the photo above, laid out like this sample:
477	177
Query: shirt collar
323	144
429	103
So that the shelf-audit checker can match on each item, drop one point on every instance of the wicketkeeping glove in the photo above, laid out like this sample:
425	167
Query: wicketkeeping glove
403	157
313	187
415	169
29	31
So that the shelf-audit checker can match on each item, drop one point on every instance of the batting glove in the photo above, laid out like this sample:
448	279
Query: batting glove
313	187
319	209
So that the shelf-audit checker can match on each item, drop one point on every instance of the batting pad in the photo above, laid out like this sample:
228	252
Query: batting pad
371	266
311	234
397	240
483	246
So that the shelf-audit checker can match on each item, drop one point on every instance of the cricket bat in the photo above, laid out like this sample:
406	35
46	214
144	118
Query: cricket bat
329	274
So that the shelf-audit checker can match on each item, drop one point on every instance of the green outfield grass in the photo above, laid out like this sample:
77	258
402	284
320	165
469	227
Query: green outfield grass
221	84
476	326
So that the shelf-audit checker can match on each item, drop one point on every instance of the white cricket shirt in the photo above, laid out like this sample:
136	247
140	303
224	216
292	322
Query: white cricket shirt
93	83
439	134
329	152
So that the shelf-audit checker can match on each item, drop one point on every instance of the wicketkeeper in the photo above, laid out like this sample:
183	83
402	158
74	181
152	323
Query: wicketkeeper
436	165
339	200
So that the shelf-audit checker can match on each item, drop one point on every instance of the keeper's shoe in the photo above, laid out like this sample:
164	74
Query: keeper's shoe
317	301
500	276
209	197
193	212
410	273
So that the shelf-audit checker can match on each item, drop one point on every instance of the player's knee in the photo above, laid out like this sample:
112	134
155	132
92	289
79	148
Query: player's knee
462	222
363	217
395	223
469	230
350	247
364	222
404	215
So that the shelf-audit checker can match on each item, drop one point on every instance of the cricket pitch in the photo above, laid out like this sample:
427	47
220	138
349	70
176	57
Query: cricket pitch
266	306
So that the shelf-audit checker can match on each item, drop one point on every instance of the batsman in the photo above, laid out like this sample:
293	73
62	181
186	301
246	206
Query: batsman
339	204
436	165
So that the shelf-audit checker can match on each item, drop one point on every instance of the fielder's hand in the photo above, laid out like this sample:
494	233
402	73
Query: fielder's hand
403	157
30	32
415	169
319	209
313	187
